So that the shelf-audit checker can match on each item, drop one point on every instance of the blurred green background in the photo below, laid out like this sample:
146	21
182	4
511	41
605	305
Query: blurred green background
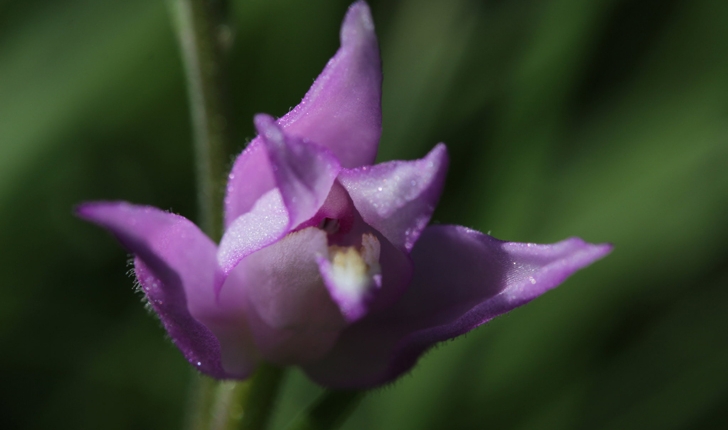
605	119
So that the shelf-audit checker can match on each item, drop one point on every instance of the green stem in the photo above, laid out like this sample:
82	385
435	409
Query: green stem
198	27
245	404
228	407
202	396
329	411
261	398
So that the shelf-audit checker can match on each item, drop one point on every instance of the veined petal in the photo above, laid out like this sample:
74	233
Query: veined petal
462	279
304	172
291	315
177	269
341	111
398	197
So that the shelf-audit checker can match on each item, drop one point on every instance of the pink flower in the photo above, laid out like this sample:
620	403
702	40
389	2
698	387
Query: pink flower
327	261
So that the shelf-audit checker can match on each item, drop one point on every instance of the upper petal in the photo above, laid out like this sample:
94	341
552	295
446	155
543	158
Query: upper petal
177	269
343	108
462	279
398	197
304	172
341	111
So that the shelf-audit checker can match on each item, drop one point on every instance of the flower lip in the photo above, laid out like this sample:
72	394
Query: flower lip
352	275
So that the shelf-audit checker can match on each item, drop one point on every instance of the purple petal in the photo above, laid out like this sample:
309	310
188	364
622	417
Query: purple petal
291	315
264	224
250	178
462	279
341	111
304	172
303	177
397	198
177	269
337	209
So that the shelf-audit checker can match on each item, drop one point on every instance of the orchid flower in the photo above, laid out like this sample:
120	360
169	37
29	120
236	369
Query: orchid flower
327	261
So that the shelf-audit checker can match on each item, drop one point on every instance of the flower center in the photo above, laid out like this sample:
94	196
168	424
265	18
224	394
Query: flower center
330	225
354	269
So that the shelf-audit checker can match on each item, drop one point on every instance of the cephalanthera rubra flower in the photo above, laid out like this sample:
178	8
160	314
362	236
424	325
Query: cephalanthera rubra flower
327	261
